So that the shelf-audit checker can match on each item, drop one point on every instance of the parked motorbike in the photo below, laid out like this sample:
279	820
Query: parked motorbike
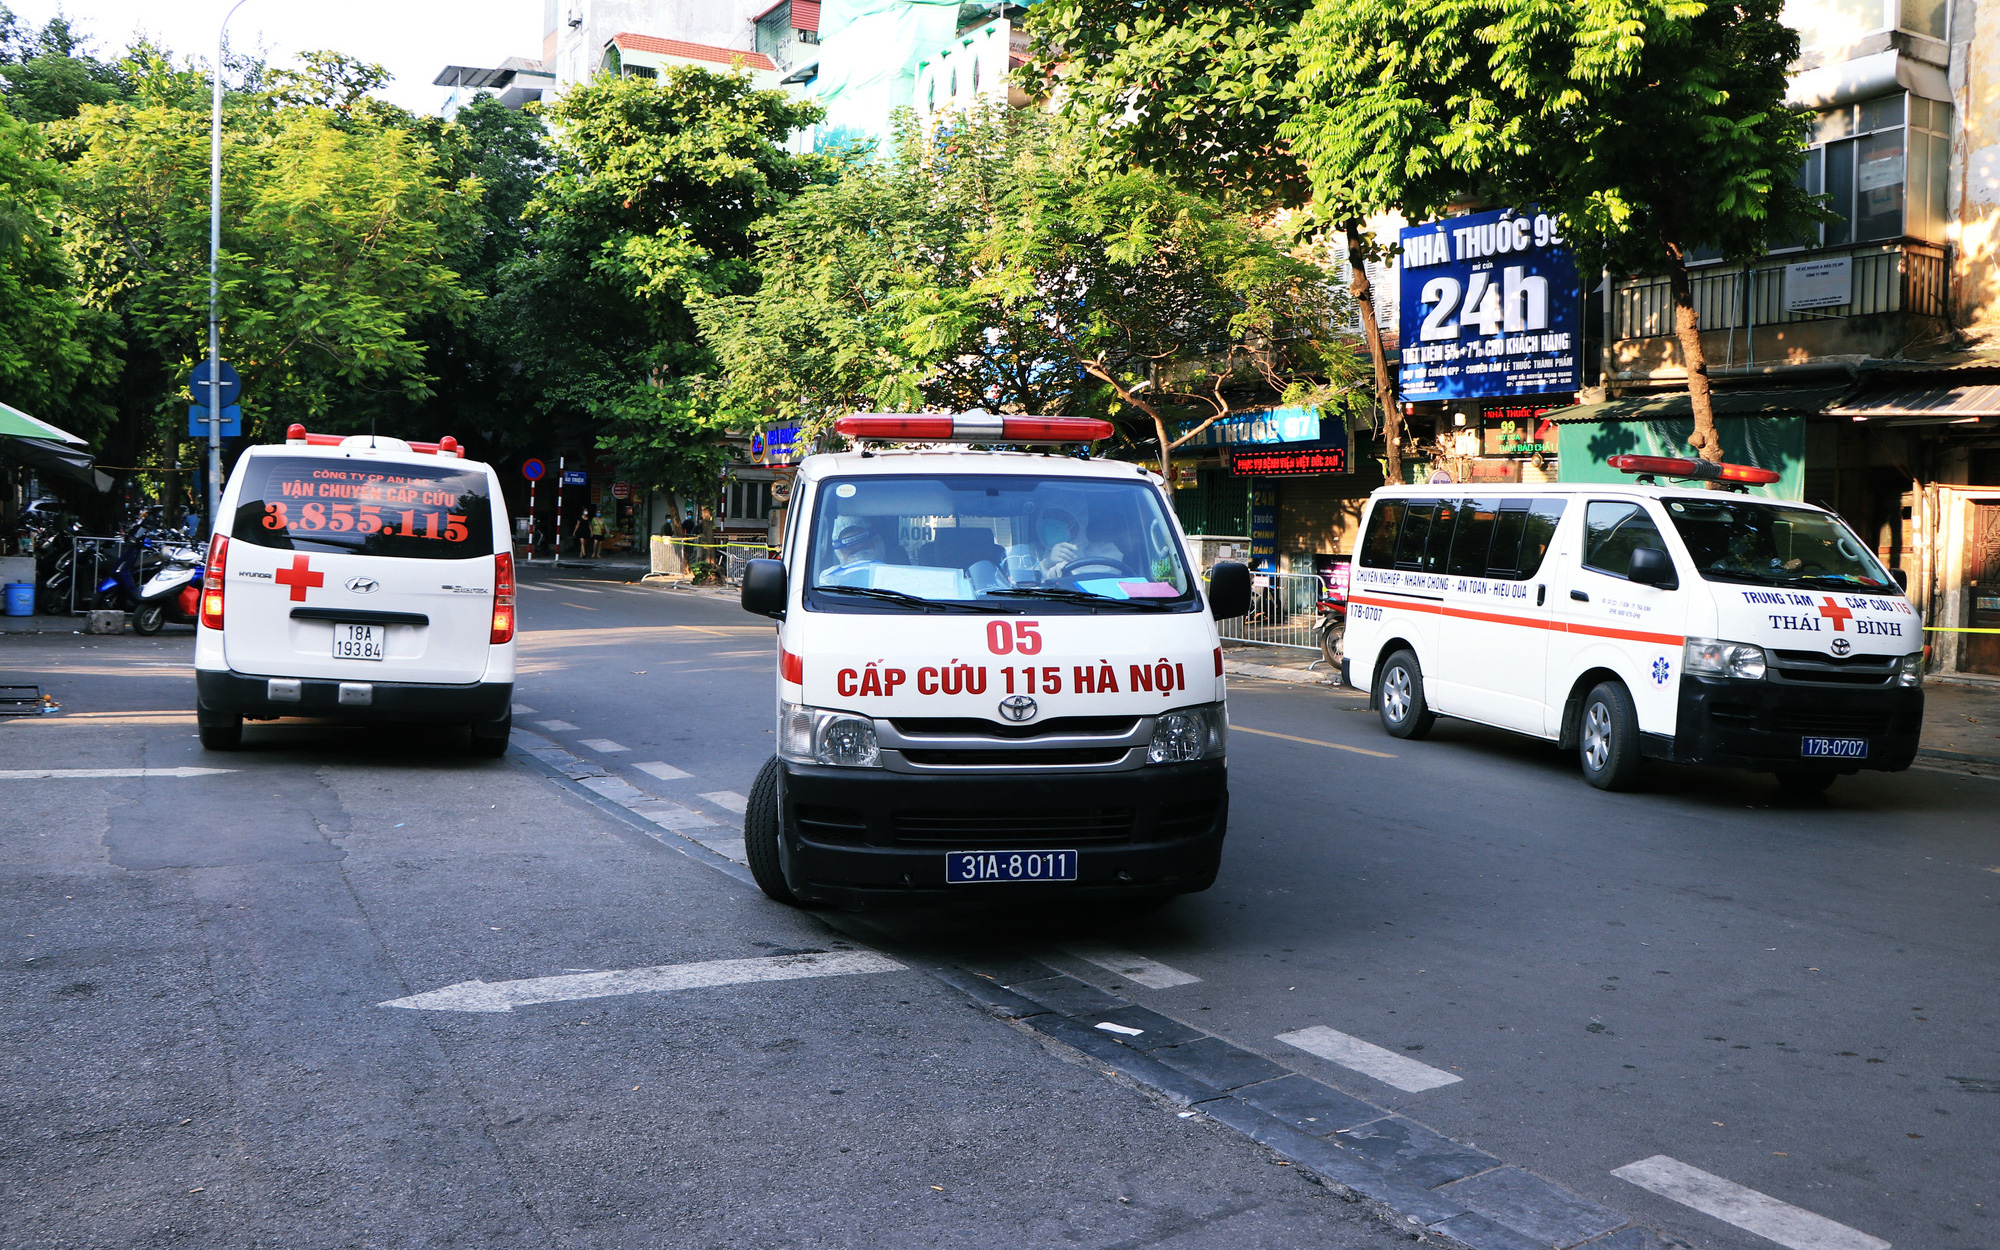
172	595
1331	627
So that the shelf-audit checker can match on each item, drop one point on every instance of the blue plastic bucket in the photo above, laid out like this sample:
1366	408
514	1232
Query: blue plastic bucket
20	598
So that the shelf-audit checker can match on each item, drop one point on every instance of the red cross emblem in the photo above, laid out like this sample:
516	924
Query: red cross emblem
300	576
1838	615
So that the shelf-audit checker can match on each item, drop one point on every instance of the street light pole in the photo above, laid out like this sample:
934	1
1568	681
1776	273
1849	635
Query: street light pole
214	279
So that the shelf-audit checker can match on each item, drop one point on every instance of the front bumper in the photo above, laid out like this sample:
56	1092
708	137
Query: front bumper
1759	724
855	836
246	695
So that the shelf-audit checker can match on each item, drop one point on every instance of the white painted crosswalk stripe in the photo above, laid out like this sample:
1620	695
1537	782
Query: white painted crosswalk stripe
59	774
495	996
669	815
1368	1059
522	709
665	772
1789	1226
603	746
1150	973
555	726
728	800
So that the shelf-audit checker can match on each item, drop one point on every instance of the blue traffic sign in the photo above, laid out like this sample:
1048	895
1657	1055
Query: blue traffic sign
232	386
533	470
232	421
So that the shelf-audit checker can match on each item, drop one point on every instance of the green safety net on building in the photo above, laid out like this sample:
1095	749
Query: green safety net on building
868	55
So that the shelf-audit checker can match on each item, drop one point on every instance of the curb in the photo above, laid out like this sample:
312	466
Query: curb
1957	757
1419	1181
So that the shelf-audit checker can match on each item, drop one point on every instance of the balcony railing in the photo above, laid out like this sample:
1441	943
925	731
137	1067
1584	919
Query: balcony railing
1905	277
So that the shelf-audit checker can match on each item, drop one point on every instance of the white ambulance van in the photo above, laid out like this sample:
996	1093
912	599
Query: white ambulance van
998	675
1637	622
358	578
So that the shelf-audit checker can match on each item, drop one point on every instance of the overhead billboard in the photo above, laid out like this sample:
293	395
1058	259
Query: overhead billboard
1490	307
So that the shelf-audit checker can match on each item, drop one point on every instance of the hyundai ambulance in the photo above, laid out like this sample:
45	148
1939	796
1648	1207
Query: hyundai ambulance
998	674
1639	621
358	578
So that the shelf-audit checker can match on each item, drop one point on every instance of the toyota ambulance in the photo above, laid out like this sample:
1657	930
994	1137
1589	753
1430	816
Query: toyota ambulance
998	674
358	578
1638	621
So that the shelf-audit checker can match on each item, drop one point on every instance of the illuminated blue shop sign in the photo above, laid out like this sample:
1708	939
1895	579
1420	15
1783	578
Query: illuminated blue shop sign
1273	425
1490	307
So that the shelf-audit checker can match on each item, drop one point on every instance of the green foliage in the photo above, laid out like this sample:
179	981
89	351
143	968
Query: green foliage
48	75
985	268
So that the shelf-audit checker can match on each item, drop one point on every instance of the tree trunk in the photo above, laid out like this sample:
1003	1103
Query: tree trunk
1687	328
1385	392
1166	451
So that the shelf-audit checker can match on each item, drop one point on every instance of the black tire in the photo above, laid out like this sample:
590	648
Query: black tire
760	836
1607	737
220	731
1805	782
149	617
1399	697
489	738
1330	640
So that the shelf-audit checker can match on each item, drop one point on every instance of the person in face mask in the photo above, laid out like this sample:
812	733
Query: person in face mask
1060	537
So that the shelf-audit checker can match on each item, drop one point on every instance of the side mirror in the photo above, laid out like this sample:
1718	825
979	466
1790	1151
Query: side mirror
1229	590
1902	577
764	588
1650	566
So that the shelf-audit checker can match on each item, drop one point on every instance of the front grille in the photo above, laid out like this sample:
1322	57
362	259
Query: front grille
1000	830
1186	820
974	727
839	825
1831	724
1010	758
1835	670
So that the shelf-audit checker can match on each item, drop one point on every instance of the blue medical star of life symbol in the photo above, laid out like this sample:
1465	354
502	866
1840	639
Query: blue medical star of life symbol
1660	670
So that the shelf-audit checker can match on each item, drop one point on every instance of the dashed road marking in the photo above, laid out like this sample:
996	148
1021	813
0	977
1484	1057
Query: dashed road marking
578	587
522	709
604	745
728	801
1789	1226
506	995
617	789
669	815
1150	973
665	772
555	726
60	774
1311	742
578	606
728	848
1368	1059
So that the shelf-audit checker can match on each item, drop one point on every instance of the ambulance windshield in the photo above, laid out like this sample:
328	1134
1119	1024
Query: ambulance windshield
1743	540
1000	542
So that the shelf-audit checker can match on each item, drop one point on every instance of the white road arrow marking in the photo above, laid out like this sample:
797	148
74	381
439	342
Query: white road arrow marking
506	995
49	774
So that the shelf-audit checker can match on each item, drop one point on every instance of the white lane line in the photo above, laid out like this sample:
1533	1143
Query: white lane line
530	586
728	800
1731	1203
1368	1059
669	815
1150	973
578	587
555	726
665	772
52	774
522	709
506	995
604	746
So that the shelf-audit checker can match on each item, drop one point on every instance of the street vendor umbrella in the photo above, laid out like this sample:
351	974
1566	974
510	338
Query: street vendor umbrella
50	449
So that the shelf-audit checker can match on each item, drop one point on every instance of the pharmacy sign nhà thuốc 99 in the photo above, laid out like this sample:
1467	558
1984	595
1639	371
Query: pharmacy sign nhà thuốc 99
1490	307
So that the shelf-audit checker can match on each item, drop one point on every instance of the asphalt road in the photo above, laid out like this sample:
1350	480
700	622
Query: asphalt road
1794	997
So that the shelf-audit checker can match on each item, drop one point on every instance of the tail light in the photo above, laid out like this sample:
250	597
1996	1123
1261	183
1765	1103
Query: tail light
503	597
211	582
1218	661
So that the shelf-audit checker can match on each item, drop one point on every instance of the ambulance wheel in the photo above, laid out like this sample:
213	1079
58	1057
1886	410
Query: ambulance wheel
760	836
1607	735
490	740
1804	782
149	618
220	731
1400	698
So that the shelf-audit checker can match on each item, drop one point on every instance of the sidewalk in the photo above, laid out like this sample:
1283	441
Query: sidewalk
41	624
1961	715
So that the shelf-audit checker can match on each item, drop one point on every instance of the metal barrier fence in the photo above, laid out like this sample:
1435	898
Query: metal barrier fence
1284	607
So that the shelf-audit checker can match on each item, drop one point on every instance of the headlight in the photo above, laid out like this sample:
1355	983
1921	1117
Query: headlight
1192	733
1910	670
1723	659
811	735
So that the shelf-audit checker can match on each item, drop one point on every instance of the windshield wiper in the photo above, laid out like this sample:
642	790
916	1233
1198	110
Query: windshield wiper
897	596
1062	595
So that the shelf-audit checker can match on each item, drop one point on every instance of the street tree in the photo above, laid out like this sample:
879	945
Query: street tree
47	73
1653	128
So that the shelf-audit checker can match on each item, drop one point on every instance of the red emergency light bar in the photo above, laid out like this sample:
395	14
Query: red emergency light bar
297	436
1698	470
978	427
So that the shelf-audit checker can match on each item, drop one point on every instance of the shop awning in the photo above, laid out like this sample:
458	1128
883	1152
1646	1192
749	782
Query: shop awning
47	448
17	424
1762	428
1967	404
1792	401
